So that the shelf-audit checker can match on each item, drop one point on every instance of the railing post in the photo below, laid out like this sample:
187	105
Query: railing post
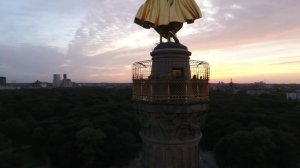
186	91
141	84
150	86
168	83
198	92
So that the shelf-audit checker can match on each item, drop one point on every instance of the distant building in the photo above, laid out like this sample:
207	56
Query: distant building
2	81
66	82
294	96
39	84
56	80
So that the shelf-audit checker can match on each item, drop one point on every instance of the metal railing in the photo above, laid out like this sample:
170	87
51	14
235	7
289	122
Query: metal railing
141	70
198	69
171	91
193	88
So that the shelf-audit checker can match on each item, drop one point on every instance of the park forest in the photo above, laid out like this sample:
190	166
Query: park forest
97	127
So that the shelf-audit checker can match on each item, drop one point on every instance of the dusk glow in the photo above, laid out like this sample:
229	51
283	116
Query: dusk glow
97	41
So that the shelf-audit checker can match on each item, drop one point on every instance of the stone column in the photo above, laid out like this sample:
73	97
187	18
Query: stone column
171	126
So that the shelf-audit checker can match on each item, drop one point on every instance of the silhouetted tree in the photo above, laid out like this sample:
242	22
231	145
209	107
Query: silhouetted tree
89	142
17	131
260	148
10	160
246	149
39	140
4	143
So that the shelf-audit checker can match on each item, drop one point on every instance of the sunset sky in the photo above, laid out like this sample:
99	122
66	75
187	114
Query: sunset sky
97	41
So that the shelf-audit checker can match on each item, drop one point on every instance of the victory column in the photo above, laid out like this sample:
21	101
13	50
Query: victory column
170	91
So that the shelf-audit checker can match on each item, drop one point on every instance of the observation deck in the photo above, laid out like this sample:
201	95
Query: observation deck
174	86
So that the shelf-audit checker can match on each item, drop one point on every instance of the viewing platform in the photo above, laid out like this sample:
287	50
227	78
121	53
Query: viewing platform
176	87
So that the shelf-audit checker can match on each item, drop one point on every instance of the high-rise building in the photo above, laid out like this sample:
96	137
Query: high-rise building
170	94
56	80
2	81
66	82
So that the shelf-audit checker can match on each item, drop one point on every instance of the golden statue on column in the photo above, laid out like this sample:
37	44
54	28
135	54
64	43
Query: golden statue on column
167	16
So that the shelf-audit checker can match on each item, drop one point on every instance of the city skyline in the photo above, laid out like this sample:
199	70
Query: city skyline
97	41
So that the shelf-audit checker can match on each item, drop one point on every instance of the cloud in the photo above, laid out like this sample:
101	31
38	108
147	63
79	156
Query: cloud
241	22
96	40
39	23
27	63
113	66
106	25
290	62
